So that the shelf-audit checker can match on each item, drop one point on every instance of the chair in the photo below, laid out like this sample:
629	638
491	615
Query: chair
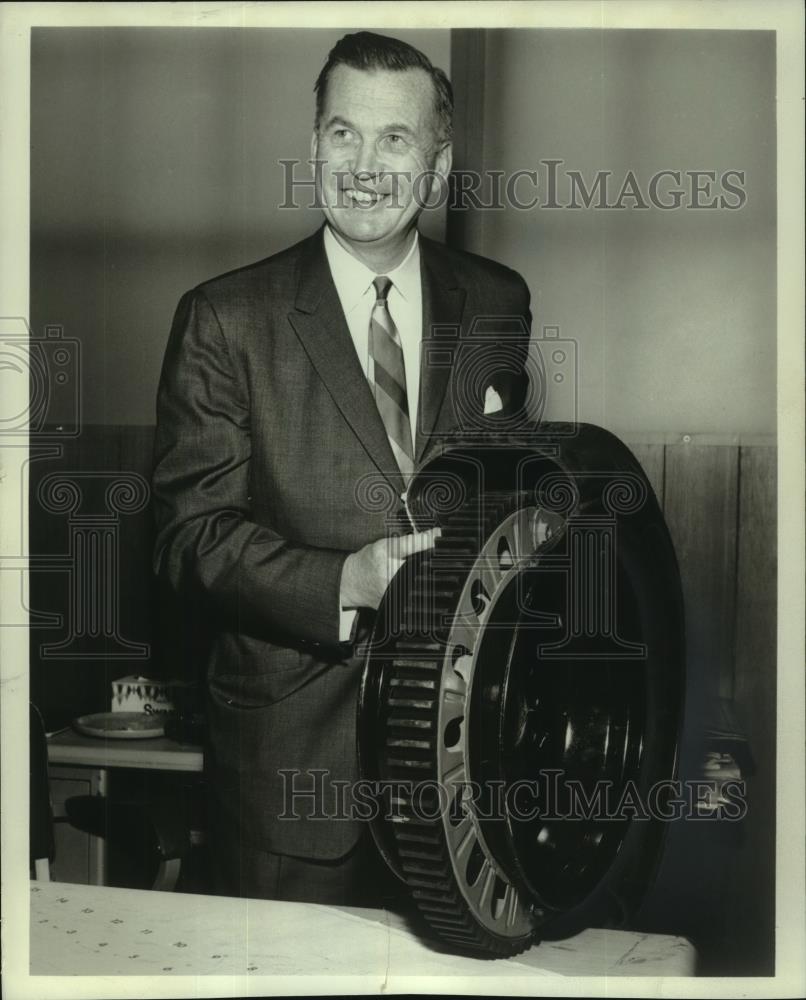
148	832
137	833
41	840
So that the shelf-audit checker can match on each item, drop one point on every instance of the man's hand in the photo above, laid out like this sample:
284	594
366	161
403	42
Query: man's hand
368	572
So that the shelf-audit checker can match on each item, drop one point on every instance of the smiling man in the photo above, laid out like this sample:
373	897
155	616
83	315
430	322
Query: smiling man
291	389
381	136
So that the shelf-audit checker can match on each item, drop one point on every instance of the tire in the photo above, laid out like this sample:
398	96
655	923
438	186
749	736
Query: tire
528	689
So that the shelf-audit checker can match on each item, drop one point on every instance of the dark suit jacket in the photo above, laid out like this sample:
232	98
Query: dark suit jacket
266	434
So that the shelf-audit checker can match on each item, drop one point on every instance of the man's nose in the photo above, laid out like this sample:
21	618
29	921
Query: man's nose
365	165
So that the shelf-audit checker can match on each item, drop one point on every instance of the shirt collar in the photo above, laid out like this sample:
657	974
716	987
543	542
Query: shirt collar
353	278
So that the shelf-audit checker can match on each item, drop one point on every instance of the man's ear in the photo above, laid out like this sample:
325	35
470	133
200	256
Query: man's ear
444	160
314	143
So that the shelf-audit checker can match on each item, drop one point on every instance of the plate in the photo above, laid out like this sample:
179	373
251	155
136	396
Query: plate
120	725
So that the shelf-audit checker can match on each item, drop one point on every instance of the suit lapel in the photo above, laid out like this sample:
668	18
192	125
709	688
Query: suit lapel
319	322
443	306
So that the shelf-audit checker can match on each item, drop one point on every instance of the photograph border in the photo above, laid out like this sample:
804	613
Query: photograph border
787	20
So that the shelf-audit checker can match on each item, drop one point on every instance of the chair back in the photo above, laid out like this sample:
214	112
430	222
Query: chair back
42	846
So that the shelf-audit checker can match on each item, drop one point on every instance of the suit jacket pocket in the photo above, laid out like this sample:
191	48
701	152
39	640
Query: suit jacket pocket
257	674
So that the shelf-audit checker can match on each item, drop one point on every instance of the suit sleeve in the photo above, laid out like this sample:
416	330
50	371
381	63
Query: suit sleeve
206	541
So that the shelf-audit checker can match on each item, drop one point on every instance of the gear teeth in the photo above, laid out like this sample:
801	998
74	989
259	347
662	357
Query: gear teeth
409	751
413	682
419	838
409	703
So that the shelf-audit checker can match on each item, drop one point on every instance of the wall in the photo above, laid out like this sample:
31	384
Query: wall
154	165
674	312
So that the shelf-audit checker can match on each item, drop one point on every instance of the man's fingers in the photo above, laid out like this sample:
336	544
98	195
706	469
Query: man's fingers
406	545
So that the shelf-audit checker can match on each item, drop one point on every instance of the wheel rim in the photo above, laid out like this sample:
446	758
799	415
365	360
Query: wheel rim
470	679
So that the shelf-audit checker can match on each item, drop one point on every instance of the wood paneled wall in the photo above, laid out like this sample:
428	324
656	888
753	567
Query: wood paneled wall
719	499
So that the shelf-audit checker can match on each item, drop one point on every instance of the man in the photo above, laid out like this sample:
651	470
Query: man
289	388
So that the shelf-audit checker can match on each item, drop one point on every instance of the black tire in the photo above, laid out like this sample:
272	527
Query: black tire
402	733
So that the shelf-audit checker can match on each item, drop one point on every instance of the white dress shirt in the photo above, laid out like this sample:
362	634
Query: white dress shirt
353	281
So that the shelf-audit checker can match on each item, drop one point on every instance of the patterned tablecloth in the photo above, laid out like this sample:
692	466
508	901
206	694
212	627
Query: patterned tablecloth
91	930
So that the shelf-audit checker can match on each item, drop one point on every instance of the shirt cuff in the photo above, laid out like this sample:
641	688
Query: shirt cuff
347	618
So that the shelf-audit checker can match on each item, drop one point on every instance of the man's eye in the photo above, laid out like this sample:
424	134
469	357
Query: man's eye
395	142
342	135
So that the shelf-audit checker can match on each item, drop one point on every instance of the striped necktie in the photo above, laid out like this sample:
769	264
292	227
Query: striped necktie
387	376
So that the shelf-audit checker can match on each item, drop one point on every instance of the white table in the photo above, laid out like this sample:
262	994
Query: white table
159	754
80	765
96	930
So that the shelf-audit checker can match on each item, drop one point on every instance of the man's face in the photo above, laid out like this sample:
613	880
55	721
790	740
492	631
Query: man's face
377	136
